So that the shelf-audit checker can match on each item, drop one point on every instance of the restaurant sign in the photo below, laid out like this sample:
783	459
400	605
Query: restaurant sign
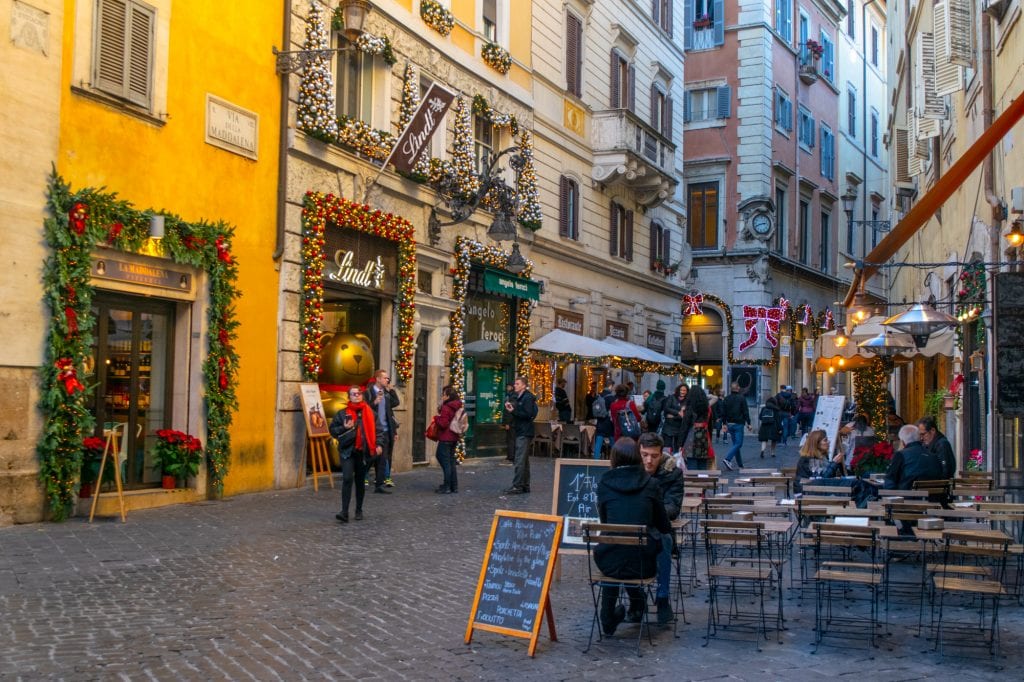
360	260
656	341
617	330
496	282
139	273
569	321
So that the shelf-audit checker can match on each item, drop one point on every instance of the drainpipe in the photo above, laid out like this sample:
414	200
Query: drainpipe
996	229
282	145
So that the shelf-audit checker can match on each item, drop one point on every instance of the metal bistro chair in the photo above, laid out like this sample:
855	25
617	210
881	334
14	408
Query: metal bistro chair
738	562
543	436
596	534
837	566
571	436
974	565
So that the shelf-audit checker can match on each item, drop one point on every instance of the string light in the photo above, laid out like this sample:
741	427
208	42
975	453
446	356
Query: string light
315	113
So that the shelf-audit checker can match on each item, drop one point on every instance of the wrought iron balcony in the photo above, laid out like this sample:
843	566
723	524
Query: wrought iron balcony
630	153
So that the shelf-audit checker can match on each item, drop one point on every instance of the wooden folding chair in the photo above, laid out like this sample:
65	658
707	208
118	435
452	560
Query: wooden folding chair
543	436
596	534
835	549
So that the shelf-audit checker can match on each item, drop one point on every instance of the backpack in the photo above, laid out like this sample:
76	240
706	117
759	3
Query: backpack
628	425
652	412
600	408
460	422
767	415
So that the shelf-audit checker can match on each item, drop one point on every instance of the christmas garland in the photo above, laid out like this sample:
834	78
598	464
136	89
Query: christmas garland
377	45
359	136
483	109
437	17
319	210
79	221
727	312
315	112
466	252
496	57
970	302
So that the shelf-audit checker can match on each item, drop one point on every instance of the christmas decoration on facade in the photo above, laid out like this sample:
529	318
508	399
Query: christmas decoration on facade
79	220
320	210
496	57
753	317
693	304
463	163
970	303
316	111
528	198
380	46
871	394
483	109
436	16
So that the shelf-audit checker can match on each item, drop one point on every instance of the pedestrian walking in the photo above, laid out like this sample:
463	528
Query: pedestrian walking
353	427
672	418
523	408
769	430
737	417
446	440
383	399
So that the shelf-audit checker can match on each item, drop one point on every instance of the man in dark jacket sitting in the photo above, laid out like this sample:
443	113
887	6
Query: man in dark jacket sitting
669	478
912	463
627	495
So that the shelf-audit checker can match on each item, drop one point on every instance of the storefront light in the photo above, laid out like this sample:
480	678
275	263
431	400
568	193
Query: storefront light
515	262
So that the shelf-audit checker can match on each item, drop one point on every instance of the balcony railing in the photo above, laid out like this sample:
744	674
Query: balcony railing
628	151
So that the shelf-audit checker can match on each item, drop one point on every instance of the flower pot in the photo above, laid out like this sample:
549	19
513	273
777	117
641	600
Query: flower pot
168	482
85	490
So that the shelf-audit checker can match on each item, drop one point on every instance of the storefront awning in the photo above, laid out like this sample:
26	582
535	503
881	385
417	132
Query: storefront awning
636	352
560	342
944	187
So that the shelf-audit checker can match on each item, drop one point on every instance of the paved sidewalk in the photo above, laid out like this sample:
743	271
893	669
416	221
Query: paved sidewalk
269	586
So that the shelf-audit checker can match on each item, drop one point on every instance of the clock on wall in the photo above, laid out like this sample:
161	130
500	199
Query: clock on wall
761	224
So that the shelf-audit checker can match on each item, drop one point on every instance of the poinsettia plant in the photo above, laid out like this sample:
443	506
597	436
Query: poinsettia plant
177	453
976	460
871	459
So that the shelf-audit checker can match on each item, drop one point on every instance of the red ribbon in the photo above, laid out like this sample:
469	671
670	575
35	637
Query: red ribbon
752	317
66	373
693	304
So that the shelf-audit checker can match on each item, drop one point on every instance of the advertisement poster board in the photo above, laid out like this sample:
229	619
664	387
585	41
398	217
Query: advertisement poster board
313	411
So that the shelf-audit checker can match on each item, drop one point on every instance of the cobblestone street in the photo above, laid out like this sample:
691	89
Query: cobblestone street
270	586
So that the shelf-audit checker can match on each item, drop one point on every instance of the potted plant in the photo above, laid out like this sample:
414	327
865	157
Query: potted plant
92	451
178	455
815	48
871	459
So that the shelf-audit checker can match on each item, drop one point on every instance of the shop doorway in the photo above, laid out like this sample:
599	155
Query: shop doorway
419	399
133	357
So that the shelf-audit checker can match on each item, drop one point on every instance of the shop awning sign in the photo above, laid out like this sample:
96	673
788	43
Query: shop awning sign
424	123
509	285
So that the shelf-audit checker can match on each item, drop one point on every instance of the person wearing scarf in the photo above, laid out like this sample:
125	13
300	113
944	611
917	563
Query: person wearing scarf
357	443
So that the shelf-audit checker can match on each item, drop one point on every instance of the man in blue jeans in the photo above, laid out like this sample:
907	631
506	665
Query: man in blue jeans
737	416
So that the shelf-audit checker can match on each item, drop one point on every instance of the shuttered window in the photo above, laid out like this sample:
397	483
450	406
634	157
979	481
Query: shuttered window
573	54
702	205
568	208
784	19
620	234
660	246
123	56
948	76
661	13
623	85
874	134
927	101
828	152
824	256
783	111
902	156
851	112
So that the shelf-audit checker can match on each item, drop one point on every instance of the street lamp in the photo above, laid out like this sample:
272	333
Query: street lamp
921	321
841	338
1015	236
887	344
354	14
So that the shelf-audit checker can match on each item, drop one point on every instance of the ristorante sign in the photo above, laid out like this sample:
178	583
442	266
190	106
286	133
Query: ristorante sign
569	321
360	260
425	122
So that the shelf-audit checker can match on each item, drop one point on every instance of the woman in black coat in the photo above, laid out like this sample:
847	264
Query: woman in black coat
673	413
627	494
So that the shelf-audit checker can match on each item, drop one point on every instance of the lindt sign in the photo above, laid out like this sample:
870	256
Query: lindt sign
425	122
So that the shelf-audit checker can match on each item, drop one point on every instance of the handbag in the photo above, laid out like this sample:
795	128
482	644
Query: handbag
433	430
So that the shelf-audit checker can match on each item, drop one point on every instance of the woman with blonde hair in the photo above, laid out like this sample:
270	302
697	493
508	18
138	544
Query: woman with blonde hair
814	460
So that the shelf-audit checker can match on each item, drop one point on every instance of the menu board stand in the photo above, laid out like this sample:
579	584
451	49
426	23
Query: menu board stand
512	592
318	436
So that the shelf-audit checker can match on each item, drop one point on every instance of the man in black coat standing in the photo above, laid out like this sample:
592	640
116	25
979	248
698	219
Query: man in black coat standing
383	400
522	406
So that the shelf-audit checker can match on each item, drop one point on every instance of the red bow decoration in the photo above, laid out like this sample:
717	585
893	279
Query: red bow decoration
66	373
752	316
222	380
783	304
222	251
113	231
954	386
693	304
76	216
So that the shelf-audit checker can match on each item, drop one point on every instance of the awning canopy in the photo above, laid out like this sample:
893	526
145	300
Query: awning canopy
560	342
632	350
939	343
573	347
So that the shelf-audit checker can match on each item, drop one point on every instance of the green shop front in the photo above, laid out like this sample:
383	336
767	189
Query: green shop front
493	301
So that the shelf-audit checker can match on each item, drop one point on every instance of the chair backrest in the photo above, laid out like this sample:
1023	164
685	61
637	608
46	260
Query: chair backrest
570	433
835	490
759	472
842	535
615	534
973	547
726	538
936	487
973	483
543	429
917	494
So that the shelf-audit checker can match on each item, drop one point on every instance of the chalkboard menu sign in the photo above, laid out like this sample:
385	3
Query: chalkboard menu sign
575	498
513	587
1009	338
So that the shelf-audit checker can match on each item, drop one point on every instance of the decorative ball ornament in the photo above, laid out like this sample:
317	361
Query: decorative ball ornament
315	113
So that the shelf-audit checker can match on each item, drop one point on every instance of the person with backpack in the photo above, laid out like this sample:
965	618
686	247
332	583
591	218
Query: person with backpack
523	408
451	423
604	430
769	431
654	406
625	416
672	416
786	401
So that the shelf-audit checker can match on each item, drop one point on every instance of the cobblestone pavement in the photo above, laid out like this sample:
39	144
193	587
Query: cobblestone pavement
269	586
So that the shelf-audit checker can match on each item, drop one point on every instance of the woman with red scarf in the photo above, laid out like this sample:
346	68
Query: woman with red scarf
357	444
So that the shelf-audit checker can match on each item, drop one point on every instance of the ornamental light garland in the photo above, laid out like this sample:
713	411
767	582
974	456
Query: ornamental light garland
370	44
315	112
466	252
687	309
496	57
437	17
80	220
463	163
483	109
319	210
530	215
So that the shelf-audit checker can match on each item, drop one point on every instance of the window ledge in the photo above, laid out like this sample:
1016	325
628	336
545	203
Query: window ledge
120	105
702	125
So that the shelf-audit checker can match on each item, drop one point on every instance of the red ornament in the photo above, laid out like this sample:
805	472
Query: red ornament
67	374
72	318
77	216
222	251
113	231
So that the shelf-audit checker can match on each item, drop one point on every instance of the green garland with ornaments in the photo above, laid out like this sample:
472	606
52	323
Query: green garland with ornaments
318	211
80	221
467	252
970	303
